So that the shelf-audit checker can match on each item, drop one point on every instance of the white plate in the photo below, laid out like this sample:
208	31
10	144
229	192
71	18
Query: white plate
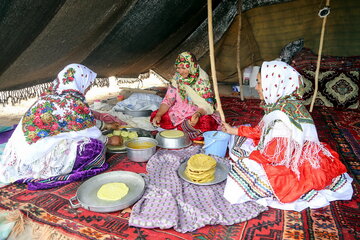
221	172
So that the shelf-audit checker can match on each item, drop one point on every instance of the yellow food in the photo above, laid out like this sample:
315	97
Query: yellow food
110	135
133	135
201	168
141	145
112	191
117	132
172	133
124	134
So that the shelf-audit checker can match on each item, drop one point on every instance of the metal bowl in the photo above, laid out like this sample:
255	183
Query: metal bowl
173	143
143	154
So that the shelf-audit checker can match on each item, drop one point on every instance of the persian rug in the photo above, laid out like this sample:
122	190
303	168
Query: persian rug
339	220
339	81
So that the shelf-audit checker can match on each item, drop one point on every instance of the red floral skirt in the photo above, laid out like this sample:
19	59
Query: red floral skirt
205	123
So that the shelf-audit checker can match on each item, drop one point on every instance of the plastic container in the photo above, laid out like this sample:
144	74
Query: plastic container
216	143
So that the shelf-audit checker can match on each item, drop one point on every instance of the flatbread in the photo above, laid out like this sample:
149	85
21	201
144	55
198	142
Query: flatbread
172	133
113	191
201	168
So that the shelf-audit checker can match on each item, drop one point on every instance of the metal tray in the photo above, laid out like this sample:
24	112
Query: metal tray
86	195
221	172
136	113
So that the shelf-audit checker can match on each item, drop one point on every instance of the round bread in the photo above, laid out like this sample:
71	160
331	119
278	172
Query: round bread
112	191
201	162
201	168
172	133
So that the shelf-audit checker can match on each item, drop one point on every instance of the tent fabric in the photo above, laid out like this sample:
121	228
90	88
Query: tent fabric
127	38
266	30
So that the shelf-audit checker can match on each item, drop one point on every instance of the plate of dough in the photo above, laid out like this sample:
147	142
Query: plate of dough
109	192
201	169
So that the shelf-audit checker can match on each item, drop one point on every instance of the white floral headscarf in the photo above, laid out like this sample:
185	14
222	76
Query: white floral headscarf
74	77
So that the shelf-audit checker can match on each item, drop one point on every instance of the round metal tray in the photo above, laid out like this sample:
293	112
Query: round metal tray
86	195
221	172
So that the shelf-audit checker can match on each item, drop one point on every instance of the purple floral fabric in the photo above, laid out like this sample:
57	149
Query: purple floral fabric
170	202
90	161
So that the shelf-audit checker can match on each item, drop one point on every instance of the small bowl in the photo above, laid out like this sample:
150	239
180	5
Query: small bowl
173	143
137	152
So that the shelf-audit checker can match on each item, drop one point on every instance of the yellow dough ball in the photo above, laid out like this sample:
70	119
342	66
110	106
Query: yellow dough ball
117	132
133	135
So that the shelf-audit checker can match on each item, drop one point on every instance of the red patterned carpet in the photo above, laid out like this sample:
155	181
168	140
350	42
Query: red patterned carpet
338	221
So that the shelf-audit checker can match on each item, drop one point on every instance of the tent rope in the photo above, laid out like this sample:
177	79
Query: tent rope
212	61
319	59
238	52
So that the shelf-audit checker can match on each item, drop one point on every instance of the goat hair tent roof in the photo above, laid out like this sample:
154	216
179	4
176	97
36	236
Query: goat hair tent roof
126	38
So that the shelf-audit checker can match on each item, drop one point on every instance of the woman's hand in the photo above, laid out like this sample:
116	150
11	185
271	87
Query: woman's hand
156	120
228	129
112	126
194	119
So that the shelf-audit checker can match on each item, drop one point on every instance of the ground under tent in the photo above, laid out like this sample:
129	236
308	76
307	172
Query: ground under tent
109	44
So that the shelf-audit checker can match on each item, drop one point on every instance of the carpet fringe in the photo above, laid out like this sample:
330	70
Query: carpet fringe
38	230
17	217
46	232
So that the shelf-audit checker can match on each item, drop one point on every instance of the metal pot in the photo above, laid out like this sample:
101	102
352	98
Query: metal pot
143	154
173	143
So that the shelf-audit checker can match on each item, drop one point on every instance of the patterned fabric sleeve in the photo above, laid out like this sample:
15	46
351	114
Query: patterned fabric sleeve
170	96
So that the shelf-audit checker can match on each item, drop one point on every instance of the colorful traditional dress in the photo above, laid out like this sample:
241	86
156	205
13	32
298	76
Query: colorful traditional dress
287	167
56	141
186	96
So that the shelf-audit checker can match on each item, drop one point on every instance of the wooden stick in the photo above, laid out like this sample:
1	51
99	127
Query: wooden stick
212	61
319	60
238	52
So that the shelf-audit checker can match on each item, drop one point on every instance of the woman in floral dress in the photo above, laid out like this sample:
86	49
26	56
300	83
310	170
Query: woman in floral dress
189	102
57	141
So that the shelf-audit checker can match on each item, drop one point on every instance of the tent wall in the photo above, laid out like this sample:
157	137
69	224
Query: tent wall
127	37
265	30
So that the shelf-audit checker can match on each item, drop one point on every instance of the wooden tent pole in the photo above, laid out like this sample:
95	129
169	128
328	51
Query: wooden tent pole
212	61
238	65
319	60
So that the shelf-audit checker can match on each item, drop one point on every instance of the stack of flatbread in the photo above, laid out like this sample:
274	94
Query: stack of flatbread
201	168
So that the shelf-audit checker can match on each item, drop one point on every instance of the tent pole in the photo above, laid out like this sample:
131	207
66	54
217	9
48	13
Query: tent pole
319	60
238	65
212	61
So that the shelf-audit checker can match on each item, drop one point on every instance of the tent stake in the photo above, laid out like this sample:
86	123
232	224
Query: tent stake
212	61
238	65
319	60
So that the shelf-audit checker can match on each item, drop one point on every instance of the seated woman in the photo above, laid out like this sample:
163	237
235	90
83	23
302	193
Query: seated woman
288	168
57	141
188	104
